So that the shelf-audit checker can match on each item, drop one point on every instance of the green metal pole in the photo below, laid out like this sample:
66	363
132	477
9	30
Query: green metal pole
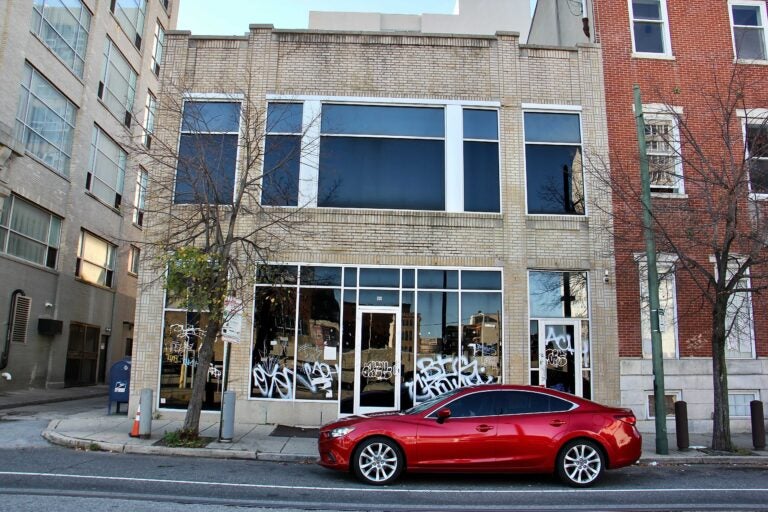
660	408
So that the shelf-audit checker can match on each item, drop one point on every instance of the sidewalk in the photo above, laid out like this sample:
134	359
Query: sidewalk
96	430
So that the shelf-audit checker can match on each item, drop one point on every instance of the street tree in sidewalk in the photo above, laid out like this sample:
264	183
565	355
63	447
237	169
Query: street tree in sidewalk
709	174
205	229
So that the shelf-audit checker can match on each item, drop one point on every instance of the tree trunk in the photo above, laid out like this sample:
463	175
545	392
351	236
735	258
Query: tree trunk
721	425
204	358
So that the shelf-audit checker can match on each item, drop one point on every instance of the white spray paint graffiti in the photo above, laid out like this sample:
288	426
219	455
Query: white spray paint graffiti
436	375
377	370
274	380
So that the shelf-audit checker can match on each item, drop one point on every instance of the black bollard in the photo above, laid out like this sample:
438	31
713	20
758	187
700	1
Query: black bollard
758	424
681	425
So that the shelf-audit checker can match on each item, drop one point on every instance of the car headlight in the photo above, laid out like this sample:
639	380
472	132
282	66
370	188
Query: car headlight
340	432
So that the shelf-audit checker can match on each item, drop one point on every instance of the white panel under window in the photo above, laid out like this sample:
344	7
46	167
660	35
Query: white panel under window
667	307
738	404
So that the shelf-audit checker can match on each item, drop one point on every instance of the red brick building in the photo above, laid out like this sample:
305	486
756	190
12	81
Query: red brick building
702	67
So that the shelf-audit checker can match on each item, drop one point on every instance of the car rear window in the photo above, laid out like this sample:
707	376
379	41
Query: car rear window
525	402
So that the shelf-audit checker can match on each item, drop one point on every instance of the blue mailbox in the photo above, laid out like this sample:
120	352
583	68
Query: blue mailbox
119	384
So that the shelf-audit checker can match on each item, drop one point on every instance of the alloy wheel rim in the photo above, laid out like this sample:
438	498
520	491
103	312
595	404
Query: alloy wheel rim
378	462
582	464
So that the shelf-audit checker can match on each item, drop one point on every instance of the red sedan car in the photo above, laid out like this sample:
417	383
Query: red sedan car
490	428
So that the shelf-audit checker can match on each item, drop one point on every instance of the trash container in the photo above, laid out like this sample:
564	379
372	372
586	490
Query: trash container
119	384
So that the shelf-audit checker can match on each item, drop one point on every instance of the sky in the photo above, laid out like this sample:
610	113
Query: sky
232	17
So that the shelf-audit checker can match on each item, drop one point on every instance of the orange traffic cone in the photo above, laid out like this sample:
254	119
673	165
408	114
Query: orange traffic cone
135	429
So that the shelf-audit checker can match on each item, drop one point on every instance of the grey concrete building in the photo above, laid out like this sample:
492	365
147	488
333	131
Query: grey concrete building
447	232
77	92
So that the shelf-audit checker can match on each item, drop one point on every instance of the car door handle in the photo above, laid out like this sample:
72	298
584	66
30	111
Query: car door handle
483	428
557	423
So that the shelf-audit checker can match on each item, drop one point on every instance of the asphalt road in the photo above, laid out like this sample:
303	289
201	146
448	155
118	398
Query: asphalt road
37	476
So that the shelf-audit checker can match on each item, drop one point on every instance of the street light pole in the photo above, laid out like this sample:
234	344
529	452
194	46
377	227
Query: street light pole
660	407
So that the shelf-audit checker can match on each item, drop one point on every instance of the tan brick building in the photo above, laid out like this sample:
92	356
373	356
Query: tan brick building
449	234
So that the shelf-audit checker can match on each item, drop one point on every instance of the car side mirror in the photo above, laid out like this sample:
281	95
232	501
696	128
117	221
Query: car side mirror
443	414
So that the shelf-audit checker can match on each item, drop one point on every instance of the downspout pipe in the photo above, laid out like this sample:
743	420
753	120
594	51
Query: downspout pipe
9	330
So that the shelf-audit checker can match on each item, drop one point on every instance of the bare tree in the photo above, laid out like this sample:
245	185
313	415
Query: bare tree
206	229
717	232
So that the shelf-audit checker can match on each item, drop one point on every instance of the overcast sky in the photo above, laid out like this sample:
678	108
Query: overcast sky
232	17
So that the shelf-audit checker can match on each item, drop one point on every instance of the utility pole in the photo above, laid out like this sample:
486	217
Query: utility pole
660	408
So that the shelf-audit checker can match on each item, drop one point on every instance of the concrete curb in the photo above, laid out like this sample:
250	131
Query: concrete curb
56	438
742	460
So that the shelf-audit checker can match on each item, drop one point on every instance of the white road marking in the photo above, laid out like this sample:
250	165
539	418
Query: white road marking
376	489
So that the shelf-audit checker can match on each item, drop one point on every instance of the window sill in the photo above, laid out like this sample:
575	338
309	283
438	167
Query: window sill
669	195
132	274
758	197
653	56
556	222
119	121
125	33
28	263
751	62
95	285
116	211
48	167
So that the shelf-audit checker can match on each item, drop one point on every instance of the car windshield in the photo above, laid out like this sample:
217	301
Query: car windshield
423	406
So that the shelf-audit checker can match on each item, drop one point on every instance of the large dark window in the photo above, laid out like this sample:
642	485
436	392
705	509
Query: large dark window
207	152
282	154
553	160
481	161
382	157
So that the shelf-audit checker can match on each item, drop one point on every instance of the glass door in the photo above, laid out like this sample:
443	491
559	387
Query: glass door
377	360
560	355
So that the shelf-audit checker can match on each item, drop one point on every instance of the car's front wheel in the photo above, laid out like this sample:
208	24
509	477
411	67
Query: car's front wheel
580	463
377	461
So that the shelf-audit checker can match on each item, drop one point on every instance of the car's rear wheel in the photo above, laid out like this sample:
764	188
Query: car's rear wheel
580	463
378	461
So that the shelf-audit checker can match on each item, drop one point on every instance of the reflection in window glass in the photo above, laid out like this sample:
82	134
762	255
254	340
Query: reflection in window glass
183	334
317	375
29	232
207	153
63	25
383	120
481	333
749	32
282	154
274	343
558	294
380	277
45	121
757	155
439	279
400	174
553	161
346	405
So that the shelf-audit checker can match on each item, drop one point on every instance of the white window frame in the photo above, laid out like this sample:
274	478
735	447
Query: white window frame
52	240
665	37
556	109
108	266
134	255
749	311
158	48
133	27
665	265
213	98
65	115
650	406
150	113
140	197
756	116
453	139
111	72
764	19
653	114
75	62
95	173
754	394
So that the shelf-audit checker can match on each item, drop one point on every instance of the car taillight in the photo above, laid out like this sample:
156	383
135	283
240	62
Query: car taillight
627	418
